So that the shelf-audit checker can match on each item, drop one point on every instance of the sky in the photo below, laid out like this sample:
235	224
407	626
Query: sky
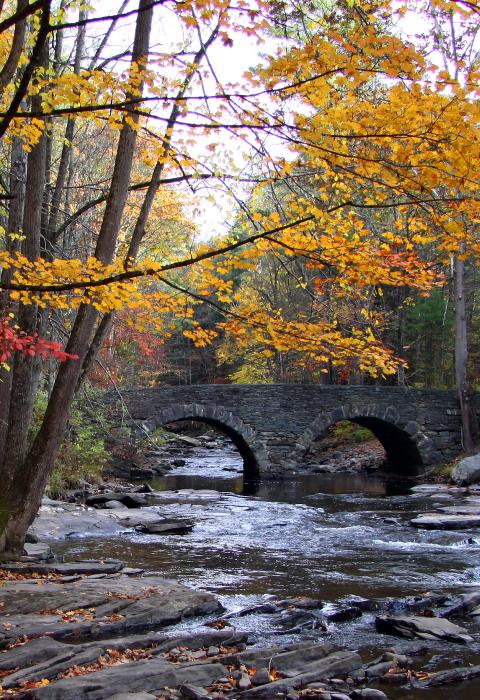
212	214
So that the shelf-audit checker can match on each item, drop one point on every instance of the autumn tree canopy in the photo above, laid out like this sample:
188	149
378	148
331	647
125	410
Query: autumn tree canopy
367	146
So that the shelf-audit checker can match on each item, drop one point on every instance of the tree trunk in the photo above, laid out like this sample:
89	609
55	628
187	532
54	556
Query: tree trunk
22	390
18	160
21	501
466	397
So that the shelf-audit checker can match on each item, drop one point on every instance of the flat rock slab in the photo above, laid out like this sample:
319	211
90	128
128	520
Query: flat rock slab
38	551
132	696
416	626
457	675
337	663
52	522
142	676
91	608
427	489
167	526
465	509
81	568
444	521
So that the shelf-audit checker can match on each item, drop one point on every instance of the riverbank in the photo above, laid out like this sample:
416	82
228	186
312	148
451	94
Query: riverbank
95	630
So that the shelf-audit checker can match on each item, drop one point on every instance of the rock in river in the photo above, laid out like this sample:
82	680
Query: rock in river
167	526
467	471
422	628
446	521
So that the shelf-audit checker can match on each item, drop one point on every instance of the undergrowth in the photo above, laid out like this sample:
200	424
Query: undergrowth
82	455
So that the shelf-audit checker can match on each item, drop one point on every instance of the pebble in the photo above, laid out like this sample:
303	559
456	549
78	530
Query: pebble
261	677
244	682
368	694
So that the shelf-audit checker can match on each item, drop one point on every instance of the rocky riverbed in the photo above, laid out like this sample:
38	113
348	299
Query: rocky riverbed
324	587
97	630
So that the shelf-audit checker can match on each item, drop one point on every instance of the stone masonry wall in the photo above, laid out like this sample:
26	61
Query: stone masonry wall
276	423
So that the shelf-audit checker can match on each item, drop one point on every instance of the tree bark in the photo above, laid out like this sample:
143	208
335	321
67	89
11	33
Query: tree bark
18	160
470	432
22	390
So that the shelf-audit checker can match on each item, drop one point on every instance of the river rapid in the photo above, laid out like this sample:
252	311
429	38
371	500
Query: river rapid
323	536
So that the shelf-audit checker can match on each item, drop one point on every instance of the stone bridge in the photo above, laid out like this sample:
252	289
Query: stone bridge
274	425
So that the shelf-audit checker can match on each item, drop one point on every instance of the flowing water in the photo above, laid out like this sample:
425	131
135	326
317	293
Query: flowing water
319	536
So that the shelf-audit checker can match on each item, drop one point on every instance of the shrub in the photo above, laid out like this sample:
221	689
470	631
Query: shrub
345	431
82	455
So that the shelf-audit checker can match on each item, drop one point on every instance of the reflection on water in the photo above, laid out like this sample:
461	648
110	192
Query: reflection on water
321	536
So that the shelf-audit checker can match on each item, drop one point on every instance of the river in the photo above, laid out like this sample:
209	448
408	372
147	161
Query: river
327	537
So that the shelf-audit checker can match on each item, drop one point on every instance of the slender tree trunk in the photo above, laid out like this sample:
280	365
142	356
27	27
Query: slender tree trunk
22	500
18	161
22	390
470	431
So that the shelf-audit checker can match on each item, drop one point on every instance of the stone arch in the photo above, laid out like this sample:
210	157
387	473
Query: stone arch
407	448
245	439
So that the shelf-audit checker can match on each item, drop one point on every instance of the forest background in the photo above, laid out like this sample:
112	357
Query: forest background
349	151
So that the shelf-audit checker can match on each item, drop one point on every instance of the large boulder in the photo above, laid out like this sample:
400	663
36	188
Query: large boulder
467	471
417	626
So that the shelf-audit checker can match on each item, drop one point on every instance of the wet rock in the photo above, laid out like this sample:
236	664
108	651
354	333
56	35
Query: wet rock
148	676
423	628
338	662
378	669
263	608
292	663
167	526
363	604
457	675
53	523
343	614
301	602
141	473
34	652
121	605
469	602
200	640
443	521
113	505
30	538
38	551
368	694
193	692
467	471
465	509
131	500
80	567
244	682
132	696
298	620
70	656
144	488
426	602
261	677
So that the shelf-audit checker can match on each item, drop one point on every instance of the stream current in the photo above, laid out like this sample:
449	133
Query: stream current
323	536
